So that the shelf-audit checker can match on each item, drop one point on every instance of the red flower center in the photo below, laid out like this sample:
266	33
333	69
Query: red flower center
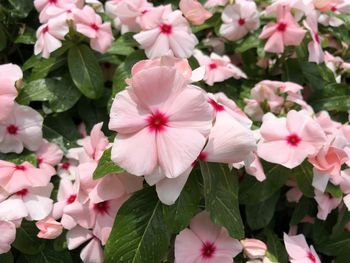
40	160
144	12
208	249
317	39
102	207
95	27
241	21
21	167
293	139
213	66
71	199
12	129
311	257
282	26
65	165
157	121
165	29
52	1
23	192
217	107
46	29
333	8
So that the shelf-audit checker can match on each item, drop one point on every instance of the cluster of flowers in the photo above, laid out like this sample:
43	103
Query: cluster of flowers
59	16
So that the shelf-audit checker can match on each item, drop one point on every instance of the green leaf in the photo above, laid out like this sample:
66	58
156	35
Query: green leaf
55	137
123	45
106	165
221	197
21	8
259	215
334	97
139	233
252	191
179	215
304	176
42	67
120	75
26	240
334	190
336	245
276	250
26	37
25	156
3	39
247	43
211	22
306	206
85	71
7	258
60	93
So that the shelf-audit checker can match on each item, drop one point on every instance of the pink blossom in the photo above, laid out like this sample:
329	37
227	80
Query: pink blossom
194	11
14	178
49	155
326	203
253	167
217	68
254	248
22	128
49	35
205	242
49	228
288	141
293	194
299	251
239	19
9	74
213	3
328	125
92	252
88	23
286	32
314	47
52	8
145	114
171	35
345	187
10	210
36	200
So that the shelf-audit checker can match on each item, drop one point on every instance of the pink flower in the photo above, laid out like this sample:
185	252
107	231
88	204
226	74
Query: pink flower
14	178
9	74
49	228
22	128
205	242
239	19
217	68
293	194
36	200
171	35
254	248
328	125
194	11
299	251
89	24
52	8
49	155
92	252
314	47
10	210
285	33
288	141
345	187
253	167
49	35
328	161
326	203
213	3
145	115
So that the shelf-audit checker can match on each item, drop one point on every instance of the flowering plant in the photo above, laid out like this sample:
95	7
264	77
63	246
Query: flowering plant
188	131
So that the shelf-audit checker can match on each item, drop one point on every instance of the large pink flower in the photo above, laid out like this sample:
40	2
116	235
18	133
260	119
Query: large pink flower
239	19
9	74
286	32
171	35
52	8
205	242
22	128
288	141
194	11
88	23
161	121
299	251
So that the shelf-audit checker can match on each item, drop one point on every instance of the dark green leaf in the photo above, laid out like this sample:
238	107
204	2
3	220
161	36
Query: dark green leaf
26	240
123	45
106	165
252	191
334	190
6	258
3	39
304	207
43	67
304	176
27	37
21	8
25	156
179	215
275	247
259	215
247	43
139	234
85	71
221	197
